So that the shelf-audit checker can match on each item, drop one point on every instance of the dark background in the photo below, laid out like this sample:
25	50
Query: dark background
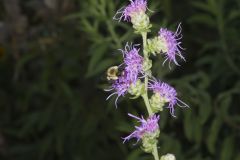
53	58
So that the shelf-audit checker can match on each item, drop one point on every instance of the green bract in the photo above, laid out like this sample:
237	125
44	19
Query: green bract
157	102
136	89
156	45
141	22
149	141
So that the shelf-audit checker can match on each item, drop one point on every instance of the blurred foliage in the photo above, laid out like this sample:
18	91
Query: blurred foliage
53	57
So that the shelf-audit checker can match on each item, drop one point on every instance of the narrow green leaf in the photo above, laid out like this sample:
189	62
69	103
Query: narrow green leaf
188	125
213	134
100	67
203	6
203	19
227	148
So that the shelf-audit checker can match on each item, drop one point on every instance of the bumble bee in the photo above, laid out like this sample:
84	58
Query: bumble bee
112	73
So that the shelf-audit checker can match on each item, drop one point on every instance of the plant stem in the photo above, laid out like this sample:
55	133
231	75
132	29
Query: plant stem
145	95
155	152
144	37
145	54
146	101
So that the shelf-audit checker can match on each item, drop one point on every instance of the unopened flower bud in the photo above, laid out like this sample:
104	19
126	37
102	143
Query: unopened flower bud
168	157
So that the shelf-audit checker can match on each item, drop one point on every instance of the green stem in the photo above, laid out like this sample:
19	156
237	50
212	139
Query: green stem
145	95
144	37
145	54
155	152
146	101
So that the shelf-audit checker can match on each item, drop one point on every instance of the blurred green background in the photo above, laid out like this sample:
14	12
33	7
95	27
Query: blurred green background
53	58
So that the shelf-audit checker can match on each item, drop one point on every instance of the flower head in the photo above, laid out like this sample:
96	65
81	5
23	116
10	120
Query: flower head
147	128
135	12
132	68
172	45
134	8
167	94
133	62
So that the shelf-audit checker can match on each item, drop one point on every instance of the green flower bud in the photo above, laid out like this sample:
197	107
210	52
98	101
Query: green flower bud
168	157
136	89
141	22
149	141
157	45
157	102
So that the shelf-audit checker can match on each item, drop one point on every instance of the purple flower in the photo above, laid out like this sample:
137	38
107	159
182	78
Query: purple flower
134	8
147	127
168	93
133	62
173	44
133	67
